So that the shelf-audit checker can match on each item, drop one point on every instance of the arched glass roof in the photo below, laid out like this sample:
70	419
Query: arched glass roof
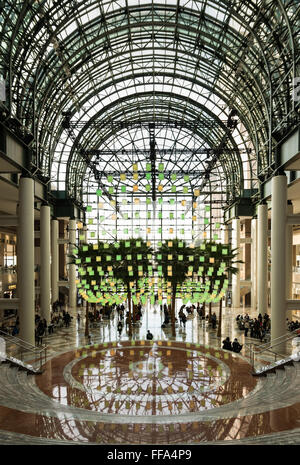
206	81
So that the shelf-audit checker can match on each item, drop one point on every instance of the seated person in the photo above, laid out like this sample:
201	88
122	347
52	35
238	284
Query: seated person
236	346
227	344
149	335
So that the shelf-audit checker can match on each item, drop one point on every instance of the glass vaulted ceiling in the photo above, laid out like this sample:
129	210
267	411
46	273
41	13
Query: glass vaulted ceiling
116	68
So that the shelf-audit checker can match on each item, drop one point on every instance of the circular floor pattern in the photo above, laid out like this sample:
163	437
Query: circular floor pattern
146	378
77	384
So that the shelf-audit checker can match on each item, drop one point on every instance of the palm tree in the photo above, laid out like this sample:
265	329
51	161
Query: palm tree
219	263
131	260
90	258
173	256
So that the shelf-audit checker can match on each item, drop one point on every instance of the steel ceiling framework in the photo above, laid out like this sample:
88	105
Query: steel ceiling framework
116	64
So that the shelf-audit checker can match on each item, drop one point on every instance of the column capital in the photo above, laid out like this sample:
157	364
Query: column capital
26	175
279	172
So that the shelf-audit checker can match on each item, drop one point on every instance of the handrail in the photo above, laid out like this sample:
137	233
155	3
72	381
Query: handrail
259	349
23	348
280	340
18	340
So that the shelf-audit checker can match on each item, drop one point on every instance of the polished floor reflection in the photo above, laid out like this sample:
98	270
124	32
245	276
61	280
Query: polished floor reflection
148	378
116	390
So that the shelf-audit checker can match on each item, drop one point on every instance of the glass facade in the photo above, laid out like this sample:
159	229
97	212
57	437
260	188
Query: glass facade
90	80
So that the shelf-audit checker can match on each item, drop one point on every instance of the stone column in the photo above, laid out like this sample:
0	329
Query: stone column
72	267
262	258
289	256
278	258
236	292
2	245
224	235
254	263
26	259
45	280
85	233
54	261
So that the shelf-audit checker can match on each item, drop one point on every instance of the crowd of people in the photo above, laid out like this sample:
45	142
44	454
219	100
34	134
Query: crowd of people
253	327
42	327
257	328
292	325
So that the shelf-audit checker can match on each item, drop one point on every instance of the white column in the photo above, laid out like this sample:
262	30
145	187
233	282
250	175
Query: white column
85	233
54	261
278	257
224	235
225	240
26	259
289	254
45	279
262	259
2	251
254	263
17	246
72	267
236	292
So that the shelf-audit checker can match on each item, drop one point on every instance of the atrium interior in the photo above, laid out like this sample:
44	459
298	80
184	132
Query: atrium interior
149	161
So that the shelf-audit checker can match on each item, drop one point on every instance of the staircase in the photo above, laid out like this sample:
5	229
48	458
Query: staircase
270	348
20	354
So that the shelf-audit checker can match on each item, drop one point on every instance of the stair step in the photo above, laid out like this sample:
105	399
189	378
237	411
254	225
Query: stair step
22	365
277	365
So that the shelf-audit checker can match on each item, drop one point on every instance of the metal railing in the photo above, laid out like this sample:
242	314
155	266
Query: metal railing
27	354
256	350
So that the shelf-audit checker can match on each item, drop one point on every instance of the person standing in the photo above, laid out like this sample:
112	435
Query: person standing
120	327
183	319
214	320
246	326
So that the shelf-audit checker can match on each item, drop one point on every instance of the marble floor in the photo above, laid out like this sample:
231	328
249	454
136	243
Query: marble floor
110	389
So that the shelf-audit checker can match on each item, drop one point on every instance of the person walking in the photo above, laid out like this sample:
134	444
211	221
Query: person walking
40	331
120	327
183	319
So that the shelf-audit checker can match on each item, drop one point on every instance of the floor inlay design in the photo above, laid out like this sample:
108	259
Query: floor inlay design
147	378
133	391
